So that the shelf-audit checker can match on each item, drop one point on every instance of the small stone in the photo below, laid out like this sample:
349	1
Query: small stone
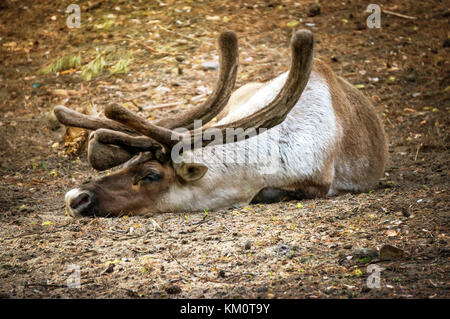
313	9
108	269
173	289
262	289
210	66
179	58
388	252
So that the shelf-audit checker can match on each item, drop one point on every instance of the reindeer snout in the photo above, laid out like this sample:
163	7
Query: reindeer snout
80	202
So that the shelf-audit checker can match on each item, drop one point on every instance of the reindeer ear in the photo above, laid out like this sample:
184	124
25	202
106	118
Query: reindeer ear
190	172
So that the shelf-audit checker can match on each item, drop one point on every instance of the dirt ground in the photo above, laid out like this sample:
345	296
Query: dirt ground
317	248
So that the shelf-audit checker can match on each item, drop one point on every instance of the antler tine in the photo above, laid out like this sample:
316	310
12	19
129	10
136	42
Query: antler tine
70	117
109	148
302	51
141	125
105	156
101	152
302	44
133	143
110	144
161	131
228	61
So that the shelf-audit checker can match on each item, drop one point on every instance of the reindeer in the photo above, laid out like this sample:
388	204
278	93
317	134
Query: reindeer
327	136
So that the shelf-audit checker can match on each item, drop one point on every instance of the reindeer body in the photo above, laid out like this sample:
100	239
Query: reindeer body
331	141
315	135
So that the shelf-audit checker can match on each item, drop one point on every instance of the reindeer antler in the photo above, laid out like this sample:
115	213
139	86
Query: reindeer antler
228	61
70	117
102	152
115	140
109	148
272	114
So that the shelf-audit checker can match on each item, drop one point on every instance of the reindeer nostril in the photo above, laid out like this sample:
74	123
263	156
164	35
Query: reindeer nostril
81	201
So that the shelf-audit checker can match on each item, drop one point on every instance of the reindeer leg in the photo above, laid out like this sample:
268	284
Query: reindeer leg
269	195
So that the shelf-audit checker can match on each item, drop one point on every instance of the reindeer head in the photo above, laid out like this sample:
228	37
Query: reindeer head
144	149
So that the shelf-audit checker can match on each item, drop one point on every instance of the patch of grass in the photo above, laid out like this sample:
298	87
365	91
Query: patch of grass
120	67
93	68
116	61
364	260
64	63
105	26
357	273
107	23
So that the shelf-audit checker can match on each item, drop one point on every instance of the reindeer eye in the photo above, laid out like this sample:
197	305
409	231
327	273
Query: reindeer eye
151	177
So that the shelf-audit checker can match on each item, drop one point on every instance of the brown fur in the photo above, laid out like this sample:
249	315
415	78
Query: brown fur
363	132
125	191
362	135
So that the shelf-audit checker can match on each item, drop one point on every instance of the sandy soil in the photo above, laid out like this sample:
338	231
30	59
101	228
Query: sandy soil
310	249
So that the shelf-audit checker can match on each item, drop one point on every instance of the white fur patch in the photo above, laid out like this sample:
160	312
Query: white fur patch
73	193
299	148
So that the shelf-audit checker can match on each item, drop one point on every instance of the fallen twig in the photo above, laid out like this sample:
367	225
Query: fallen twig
179	34
45	285
156	225
399	15
417	152
146	47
